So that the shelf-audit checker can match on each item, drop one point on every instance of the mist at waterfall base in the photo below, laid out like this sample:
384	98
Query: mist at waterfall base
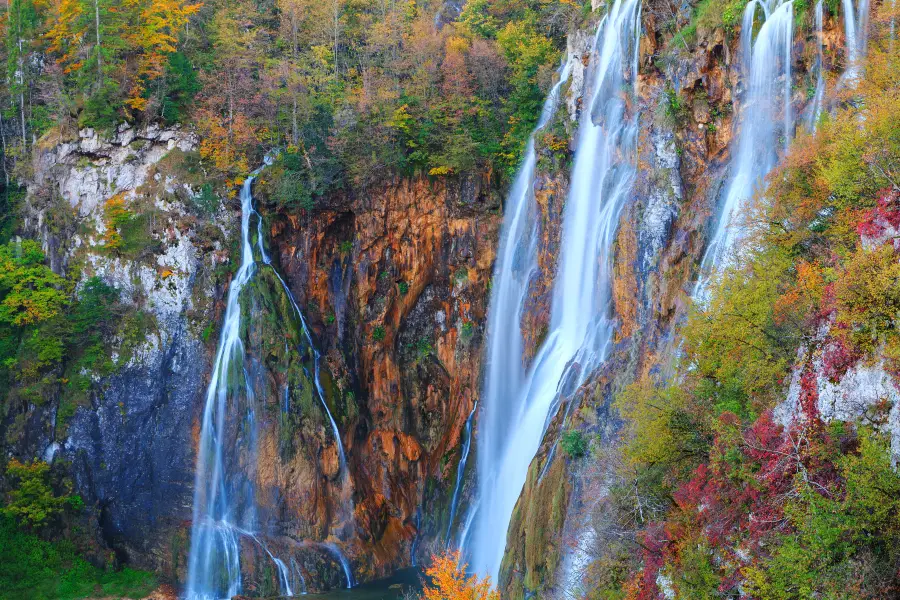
224	509
516	403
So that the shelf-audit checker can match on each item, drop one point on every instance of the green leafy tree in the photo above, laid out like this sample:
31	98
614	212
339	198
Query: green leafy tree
32	501
30	291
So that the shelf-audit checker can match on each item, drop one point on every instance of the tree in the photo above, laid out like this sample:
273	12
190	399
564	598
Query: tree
30	291
32	501
153	36
449	581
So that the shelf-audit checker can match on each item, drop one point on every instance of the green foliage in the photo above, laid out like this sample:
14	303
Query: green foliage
709	15
378	333
403	288
574	443
675	108
36	569
477	18
31	501
30	291
181	87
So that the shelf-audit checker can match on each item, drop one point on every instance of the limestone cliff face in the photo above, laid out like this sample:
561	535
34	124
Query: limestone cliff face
395	284
129	440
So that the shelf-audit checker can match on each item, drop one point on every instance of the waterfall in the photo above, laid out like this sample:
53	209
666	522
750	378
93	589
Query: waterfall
856	28
220	503
765	124
345	564
224	504
515	266
460	471
815	108
516	407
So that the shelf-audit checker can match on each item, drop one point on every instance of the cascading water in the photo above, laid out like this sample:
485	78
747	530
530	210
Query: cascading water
224	503
815	106
516	408
516	263
223	495
765	125
856	27
460	470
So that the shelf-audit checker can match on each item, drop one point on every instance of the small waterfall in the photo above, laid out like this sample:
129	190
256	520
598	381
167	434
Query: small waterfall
220	489
856	28
336	552
815	105
516	408
295	570
316	376
467	526
764	126
460	471
856	36
415	543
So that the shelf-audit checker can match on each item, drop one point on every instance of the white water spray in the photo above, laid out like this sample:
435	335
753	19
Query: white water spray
516	408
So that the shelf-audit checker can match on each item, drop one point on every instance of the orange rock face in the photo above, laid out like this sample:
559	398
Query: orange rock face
394	283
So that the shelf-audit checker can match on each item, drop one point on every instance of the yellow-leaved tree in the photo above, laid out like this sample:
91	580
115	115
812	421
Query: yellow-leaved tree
450	582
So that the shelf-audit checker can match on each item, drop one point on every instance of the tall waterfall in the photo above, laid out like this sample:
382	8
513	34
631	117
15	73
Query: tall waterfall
764	126
517	404
223	503
224	495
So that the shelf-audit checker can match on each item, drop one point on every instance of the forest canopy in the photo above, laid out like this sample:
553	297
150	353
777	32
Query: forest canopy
353	88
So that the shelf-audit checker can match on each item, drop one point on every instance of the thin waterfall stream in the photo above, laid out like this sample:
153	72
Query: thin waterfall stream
517	406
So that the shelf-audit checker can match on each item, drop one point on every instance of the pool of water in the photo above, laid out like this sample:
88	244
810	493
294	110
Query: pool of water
405	583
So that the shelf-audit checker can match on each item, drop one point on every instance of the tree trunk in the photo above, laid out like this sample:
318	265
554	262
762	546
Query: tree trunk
99	53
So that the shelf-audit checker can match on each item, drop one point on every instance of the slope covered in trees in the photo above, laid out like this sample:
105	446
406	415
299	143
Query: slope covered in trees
355	87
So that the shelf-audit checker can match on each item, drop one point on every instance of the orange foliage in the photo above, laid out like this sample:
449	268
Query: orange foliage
155	38
67	33
449	581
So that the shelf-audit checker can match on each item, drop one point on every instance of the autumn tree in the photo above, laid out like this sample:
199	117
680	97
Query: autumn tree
448	581
231	91
29	291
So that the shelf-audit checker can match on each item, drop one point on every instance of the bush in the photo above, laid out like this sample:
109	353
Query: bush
31	502
574	443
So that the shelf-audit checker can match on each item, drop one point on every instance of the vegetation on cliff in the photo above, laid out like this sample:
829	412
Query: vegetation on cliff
358	88
42	543
728	488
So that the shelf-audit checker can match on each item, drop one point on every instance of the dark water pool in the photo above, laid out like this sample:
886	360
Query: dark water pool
405	583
